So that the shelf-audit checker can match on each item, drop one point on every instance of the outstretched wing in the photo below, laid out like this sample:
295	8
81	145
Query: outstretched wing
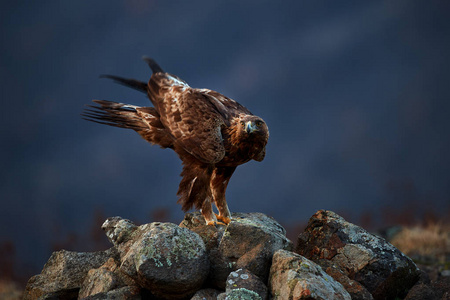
189	116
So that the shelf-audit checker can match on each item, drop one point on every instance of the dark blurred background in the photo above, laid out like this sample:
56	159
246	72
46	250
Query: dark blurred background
355	93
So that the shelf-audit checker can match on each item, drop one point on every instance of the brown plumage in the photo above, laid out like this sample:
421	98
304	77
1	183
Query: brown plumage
212	134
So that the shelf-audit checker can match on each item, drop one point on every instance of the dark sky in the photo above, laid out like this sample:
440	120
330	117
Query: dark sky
356	95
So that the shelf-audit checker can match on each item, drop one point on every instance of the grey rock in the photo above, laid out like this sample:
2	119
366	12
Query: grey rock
242	294
381	268
123	293
222	296
206	294
356	290
422	291
248	242
436	289
64	273
169	261
105	279
244	279
293	276
118	230
211	235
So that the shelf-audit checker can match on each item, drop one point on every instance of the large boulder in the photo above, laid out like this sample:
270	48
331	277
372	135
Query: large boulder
64	273
248	242
164	258
377	265
293	276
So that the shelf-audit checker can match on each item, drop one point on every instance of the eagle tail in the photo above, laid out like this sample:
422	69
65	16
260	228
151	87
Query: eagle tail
132	83
194	187
153	65
114	114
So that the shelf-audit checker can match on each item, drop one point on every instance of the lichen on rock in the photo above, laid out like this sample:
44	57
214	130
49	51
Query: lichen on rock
248	259
164	258
368	259
248	242
293	276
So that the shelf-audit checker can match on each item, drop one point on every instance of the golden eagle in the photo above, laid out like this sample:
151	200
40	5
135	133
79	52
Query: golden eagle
212	134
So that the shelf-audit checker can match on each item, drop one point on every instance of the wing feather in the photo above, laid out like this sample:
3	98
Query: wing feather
190	117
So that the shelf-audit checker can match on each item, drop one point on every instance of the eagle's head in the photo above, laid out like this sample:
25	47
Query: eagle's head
252	128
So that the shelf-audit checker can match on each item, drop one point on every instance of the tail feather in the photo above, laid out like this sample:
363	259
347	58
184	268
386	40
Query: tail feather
132	83
153	65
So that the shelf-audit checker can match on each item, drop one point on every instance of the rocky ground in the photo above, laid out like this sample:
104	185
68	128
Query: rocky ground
251	258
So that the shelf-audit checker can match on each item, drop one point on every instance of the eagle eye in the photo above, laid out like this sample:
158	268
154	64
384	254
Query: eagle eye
242	123
258	123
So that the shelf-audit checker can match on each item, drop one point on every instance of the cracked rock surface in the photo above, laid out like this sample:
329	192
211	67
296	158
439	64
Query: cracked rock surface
64	273
363	257
293	276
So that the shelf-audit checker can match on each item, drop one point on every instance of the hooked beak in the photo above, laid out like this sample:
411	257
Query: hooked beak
250	127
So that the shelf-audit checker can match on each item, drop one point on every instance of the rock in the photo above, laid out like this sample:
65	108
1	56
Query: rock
107	278
381	268
356	290
211	235
64	273
123	293
248	242
431	290
169	261
293	276
244	279
422	291
442	287
241	294
118	230
206	294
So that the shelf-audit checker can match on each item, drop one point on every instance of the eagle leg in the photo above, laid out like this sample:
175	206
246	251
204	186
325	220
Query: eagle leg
219	182
207	212
225	220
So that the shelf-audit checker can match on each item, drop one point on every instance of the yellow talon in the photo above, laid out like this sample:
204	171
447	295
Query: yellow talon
211	223
225	220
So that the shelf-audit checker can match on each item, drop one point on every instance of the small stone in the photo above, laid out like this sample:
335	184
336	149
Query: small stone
123	293
422	291
222	296
356	290
242	294
118	230
244	279
293	276
206	294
